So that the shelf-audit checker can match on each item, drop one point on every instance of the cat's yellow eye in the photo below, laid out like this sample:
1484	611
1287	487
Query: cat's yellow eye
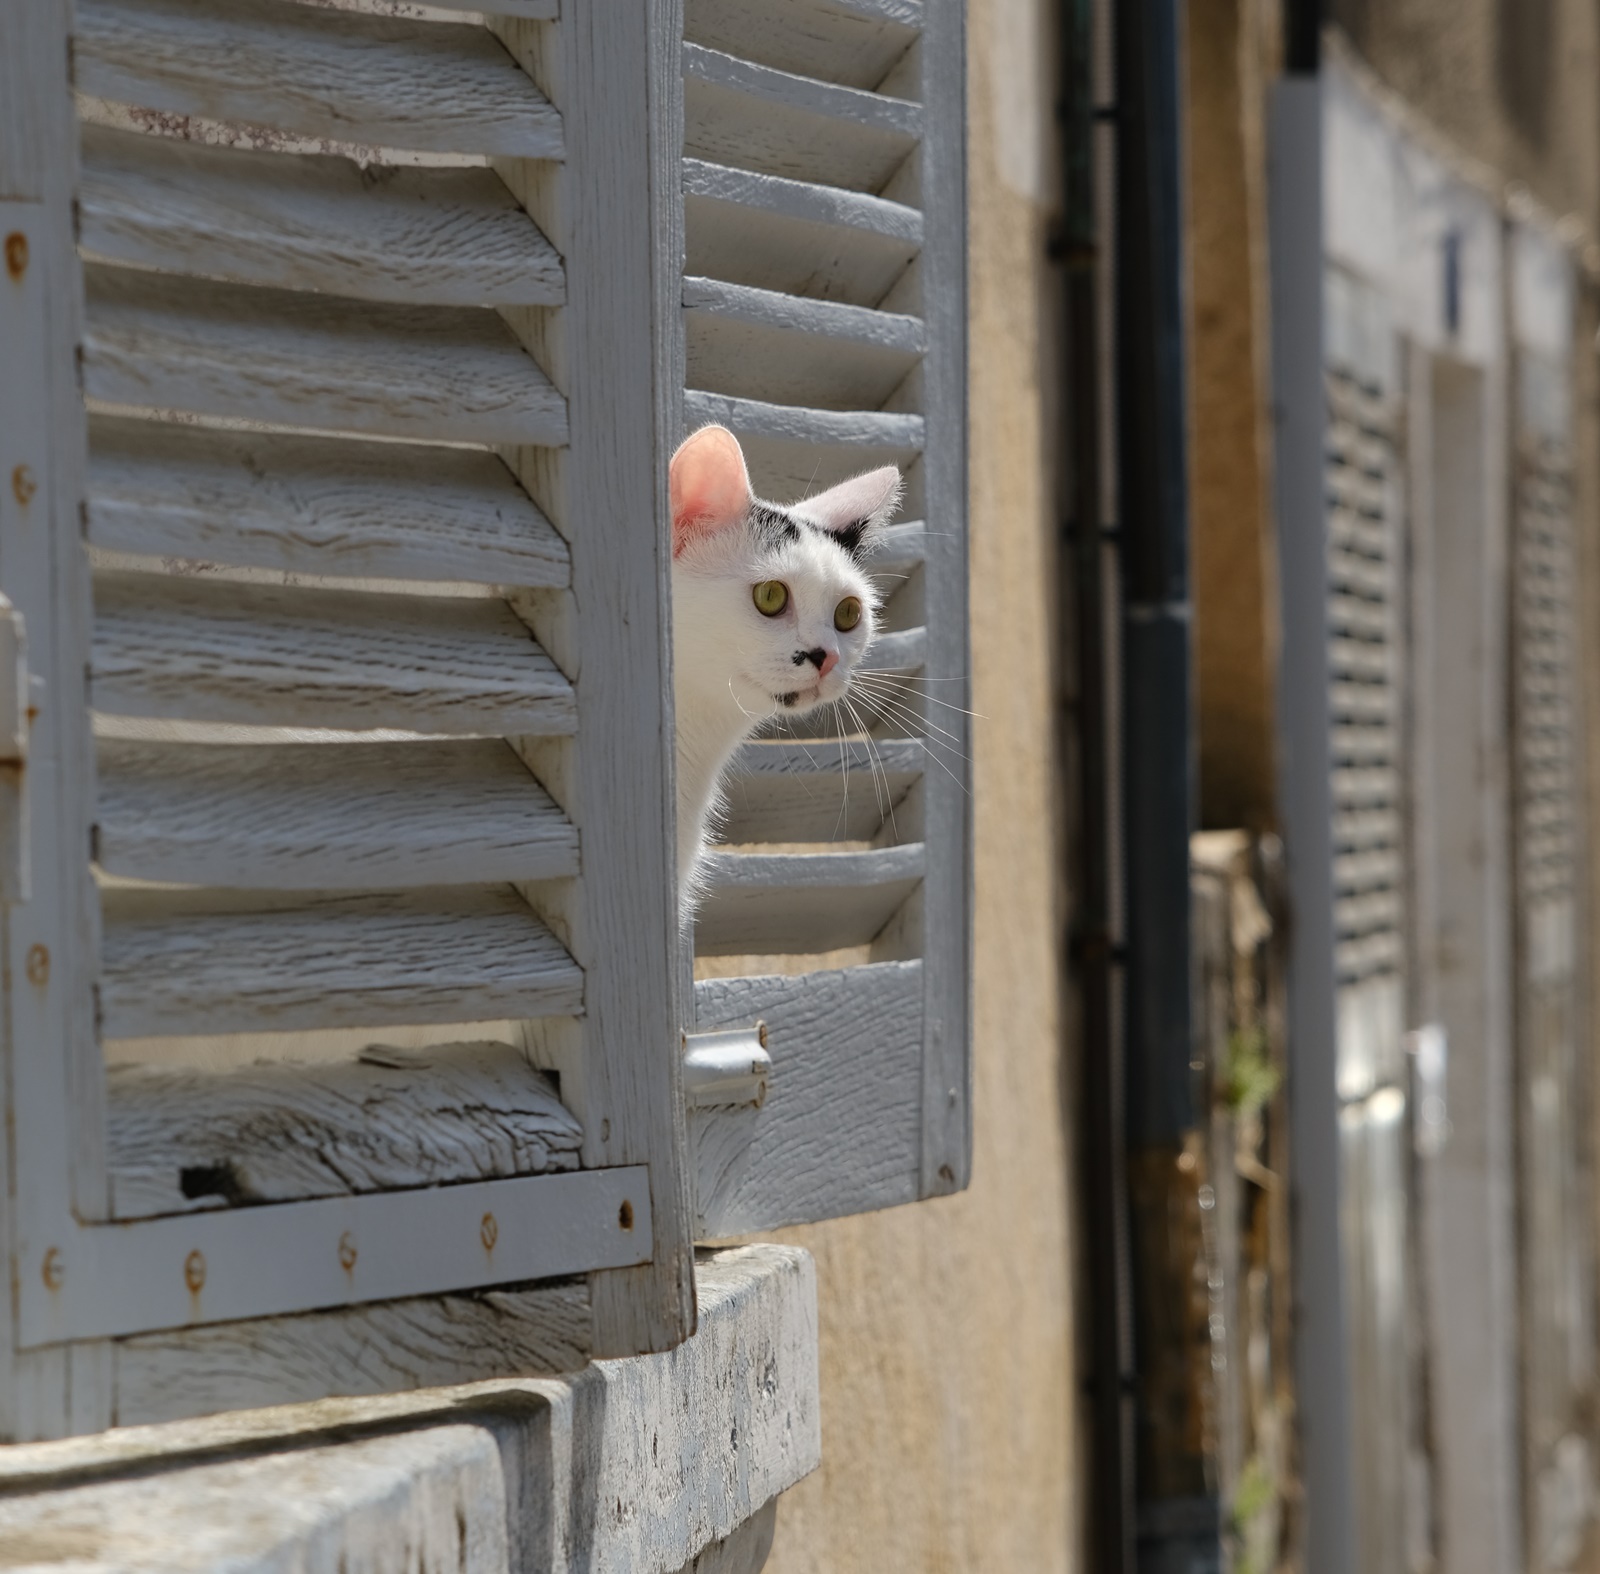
847	614
771	596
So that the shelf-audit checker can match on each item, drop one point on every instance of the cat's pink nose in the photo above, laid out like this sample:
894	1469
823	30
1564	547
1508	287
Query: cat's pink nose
829	662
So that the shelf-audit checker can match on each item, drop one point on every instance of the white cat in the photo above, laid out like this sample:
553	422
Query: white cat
771	612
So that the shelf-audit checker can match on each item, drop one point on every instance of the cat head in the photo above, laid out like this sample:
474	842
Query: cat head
771	604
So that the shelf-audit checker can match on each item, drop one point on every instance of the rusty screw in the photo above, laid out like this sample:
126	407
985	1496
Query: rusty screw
53	1270
16	254
347	1251
38	965
23	484
488	1232
194	1271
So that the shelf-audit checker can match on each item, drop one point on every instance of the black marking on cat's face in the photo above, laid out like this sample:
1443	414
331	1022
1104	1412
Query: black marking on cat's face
788	700
772	527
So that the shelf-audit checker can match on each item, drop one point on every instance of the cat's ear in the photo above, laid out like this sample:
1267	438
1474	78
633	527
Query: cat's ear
855	510
709	485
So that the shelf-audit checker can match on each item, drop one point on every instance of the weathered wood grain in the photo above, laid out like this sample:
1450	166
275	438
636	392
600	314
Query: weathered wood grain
314	816
422	236
805	239
287	656
761	904
441	373
51	1139
180	1139
616	75
345	75
794	351
776	123
804	792
390	1348
176	965
840	1131
308	505
870	433
852	42
947	897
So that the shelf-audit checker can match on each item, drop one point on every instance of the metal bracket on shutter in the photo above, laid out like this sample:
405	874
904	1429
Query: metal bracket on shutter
721	1070
14	696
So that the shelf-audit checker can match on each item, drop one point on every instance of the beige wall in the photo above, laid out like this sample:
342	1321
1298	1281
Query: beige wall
946	1328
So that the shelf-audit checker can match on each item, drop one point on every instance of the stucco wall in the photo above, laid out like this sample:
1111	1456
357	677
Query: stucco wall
946	1328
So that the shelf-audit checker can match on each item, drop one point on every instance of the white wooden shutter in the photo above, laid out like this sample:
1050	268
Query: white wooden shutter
1553	1080
363	392
1366	655
824	319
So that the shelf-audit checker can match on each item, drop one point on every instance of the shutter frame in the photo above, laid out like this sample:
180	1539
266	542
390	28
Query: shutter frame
57	1373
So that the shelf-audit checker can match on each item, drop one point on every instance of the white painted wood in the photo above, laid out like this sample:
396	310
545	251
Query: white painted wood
251	1262
793	451
789	350
852	42
182	1139
281	655
422	236
692	1447
442	374
782	791
902	549
51	1136
425	1499
903	651
776	123
840	1130
319	72
615	213
870	432
946	1153
393	1347
745	1551
805	239
310	816
307	505
760	904
177	963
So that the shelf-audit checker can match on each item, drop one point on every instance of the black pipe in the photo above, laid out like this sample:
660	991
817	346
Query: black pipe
1179	1516
1086	742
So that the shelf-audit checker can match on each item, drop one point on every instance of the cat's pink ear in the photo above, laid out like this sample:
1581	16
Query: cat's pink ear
855	509
709	485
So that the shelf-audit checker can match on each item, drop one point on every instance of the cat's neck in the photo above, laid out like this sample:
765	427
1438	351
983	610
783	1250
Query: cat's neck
711	726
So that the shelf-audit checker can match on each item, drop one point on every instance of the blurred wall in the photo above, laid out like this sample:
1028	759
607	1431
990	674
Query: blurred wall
946	1328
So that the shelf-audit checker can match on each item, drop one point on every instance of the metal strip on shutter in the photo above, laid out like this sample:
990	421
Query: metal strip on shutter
324	348
824	322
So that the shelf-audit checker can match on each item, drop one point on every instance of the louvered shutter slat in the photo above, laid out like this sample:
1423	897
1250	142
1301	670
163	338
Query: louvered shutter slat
175	966
440	236
311	816
270	655
776	123
780	234
317	72
777	902
818	791
449	374
317	506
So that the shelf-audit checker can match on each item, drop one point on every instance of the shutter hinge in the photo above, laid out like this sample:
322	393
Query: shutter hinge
723	1069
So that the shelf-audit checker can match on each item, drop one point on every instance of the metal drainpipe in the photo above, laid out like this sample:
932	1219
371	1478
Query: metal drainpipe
1321	1355
1085	579
1179	1521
